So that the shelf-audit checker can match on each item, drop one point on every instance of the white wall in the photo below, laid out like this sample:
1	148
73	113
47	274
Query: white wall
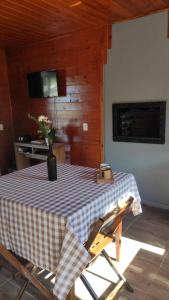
138	70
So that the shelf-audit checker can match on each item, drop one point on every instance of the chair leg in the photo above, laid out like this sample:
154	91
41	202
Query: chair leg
22	290
121	276
24	287
118	235
89	287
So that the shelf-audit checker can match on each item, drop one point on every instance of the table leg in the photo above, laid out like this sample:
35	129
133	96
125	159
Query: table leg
71	295
118	235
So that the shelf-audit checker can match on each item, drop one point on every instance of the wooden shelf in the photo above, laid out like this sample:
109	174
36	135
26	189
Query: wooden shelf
36	156
24	152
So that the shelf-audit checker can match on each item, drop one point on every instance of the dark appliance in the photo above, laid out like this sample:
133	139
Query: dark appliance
46	84
25	138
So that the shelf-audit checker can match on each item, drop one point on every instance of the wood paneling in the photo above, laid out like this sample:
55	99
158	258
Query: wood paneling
81	55
5	117
29	21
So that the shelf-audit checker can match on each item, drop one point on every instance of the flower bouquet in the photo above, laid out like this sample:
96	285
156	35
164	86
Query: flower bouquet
46	130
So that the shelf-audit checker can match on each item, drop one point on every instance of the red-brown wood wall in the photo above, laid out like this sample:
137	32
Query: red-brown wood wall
6	138
81	55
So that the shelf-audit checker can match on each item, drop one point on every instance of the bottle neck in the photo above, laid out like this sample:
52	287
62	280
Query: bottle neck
50	149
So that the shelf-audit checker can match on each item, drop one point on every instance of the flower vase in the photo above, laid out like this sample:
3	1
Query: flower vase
47	141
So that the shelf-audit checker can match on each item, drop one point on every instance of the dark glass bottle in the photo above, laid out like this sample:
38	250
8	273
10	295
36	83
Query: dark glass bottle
51	164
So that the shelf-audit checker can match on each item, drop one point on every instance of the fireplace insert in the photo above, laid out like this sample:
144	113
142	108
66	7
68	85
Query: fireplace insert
140	122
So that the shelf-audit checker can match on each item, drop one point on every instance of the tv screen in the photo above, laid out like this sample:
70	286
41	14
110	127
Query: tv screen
43	84
142	122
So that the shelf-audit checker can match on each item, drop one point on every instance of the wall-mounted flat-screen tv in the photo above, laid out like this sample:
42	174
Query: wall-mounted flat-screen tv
141	122
44	84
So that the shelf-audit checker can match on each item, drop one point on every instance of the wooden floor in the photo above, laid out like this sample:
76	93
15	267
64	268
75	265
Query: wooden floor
145	260
149	270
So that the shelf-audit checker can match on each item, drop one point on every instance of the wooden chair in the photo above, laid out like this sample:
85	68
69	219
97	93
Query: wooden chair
103	233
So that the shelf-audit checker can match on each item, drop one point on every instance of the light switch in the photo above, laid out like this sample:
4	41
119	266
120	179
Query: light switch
85	126
1	127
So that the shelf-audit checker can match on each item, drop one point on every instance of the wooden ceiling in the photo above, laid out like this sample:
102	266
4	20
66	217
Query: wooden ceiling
23	22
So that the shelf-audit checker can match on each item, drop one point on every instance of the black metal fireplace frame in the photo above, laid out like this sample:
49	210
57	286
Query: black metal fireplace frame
139	105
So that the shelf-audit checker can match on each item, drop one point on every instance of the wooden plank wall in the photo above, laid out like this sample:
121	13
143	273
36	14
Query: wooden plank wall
5	117
81	56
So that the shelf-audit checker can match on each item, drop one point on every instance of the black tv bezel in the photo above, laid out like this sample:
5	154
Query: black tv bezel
148	140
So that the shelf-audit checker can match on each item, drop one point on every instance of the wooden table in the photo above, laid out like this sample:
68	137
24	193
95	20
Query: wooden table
48	223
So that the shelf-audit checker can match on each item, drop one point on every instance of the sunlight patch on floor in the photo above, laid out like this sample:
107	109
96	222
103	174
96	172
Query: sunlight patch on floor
130	248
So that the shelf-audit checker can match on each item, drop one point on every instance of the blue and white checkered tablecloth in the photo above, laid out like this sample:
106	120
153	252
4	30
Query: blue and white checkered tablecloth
48	222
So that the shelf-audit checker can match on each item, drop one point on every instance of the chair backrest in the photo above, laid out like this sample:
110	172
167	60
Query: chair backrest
105	227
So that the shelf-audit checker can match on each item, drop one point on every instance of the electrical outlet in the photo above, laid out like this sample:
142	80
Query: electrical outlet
85	126
1	127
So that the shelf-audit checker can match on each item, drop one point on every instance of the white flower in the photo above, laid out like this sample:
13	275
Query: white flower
42	118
